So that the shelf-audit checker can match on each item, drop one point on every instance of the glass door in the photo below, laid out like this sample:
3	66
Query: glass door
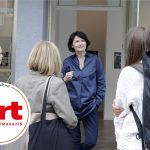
6	30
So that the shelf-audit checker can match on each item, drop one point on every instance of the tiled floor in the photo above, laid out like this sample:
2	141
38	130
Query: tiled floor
106	138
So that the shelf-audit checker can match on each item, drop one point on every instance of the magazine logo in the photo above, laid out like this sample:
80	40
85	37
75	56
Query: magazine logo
14	113
14	108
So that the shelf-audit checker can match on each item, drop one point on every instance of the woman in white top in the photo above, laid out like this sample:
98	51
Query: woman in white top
130	91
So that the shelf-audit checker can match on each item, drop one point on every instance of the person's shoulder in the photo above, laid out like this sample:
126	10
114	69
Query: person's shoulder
57	81
22	78
91	54
129	71
69	58
22	81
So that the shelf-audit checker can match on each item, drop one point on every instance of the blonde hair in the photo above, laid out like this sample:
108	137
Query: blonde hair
45	58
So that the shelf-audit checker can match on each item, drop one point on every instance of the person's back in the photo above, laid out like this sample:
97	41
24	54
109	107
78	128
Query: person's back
44	63
33	86
130	91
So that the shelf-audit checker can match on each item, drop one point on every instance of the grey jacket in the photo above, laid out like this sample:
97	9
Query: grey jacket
33	86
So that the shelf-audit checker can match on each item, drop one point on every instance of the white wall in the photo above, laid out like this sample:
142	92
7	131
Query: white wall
67	25
114	43
144	13
30	27
62	25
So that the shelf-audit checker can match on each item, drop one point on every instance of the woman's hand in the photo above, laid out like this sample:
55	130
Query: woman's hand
117	110
68	76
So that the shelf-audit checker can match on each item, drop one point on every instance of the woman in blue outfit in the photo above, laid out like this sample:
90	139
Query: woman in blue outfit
84	77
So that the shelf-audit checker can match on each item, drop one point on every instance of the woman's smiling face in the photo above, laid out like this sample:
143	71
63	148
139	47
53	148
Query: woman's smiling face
79	44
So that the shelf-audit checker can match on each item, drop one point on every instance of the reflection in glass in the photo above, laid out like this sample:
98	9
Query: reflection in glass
6	30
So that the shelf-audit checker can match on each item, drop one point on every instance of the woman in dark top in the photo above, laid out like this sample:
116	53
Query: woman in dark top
84	77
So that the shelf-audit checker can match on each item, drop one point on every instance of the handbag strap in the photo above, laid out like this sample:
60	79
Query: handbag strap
139	126
43	115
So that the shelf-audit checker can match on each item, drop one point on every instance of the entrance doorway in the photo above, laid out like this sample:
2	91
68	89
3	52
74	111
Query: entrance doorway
106	33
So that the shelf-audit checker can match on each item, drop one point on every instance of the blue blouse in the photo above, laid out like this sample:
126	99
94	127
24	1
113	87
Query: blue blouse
87	86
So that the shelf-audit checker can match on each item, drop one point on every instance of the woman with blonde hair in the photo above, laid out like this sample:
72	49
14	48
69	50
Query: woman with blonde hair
44	61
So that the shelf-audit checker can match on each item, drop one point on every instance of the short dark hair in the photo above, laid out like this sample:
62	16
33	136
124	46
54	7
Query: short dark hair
136	45
80	34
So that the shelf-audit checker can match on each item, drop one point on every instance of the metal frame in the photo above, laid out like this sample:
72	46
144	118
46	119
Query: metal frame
138	11
88	7
13	57
54	6
119	5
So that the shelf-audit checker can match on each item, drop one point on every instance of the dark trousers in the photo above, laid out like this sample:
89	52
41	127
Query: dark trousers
90	127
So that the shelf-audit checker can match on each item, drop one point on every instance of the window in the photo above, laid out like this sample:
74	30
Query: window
6	30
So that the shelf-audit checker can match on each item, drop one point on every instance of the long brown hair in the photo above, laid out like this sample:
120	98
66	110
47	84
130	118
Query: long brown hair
136	45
